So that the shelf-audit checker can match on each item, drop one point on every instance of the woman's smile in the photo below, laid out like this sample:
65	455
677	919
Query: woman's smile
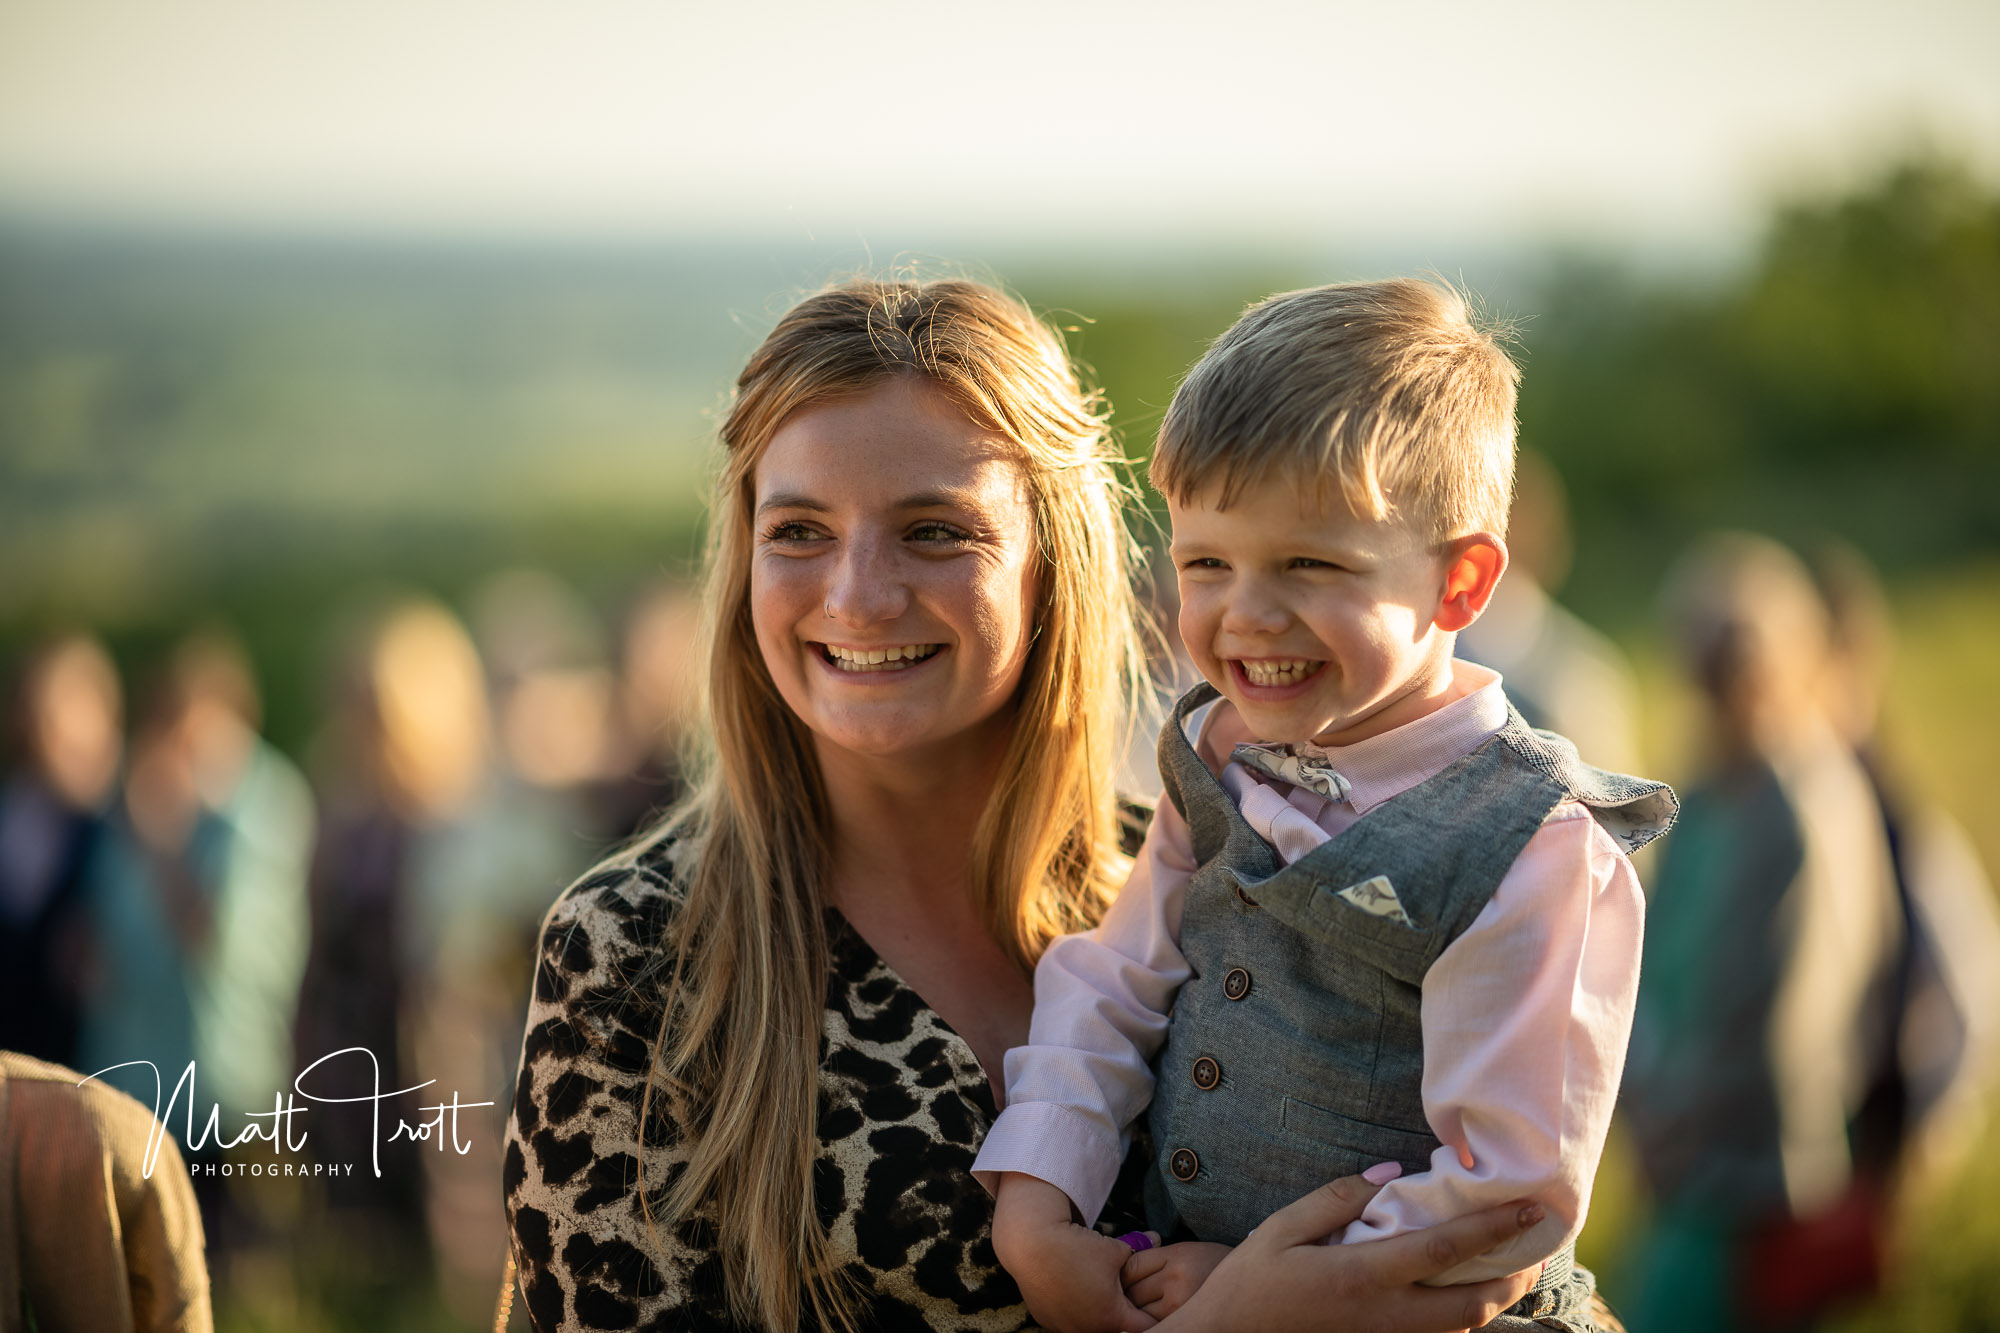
850	660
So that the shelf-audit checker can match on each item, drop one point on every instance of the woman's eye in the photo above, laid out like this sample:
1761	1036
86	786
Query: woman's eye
939	532
791	532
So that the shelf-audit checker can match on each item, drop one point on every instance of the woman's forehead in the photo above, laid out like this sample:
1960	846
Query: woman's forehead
904	444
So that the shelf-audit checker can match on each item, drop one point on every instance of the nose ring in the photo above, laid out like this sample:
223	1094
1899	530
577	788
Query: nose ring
829	608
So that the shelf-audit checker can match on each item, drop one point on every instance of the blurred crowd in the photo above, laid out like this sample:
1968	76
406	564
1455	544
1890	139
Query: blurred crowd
174	889
1819	1011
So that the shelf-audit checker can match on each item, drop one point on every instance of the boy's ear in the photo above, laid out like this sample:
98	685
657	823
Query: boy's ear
1472	569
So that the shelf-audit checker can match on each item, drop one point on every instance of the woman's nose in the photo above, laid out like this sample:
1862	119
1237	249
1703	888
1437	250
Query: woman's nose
867	588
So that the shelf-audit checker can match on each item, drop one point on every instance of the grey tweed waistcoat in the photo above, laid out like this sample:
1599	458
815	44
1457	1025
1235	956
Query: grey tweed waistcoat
1295	1051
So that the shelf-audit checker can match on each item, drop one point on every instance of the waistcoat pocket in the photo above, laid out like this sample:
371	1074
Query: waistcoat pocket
1375	1143
1331	912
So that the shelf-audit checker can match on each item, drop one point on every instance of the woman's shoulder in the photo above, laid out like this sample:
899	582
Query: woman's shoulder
630	897
604	946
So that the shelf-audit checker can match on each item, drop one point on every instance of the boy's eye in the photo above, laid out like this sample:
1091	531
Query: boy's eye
1203	562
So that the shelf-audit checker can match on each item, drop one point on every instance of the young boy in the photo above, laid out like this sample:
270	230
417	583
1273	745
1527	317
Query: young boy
1377	919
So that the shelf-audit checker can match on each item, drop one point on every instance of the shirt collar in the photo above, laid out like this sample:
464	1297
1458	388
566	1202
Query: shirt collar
1390	764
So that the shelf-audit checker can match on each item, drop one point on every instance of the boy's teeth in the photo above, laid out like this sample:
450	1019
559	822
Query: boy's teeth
899	658
1288	671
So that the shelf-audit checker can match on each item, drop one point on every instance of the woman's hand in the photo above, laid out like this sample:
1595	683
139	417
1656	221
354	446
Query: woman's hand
1284	1277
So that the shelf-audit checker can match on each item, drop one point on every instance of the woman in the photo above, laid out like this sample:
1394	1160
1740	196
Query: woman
921	644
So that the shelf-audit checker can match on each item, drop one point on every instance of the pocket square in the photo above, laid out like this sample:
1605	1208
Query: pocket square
1377	898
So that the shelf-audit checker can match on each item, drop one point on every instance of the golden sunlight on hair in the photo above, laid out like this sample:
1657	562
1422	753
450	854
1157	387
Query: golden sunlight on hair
1388	391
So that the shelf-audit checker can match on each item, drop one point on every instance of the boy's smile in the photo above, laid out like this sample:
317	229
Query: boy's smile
1317	623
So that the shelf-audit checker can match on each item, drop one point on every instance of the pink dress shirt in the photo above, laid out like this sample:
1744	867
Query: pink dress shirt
1525	1015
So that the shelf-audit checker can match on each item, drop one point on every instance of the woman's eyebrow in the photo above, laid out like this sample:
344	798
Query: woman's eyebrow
793	500
945	499
966	498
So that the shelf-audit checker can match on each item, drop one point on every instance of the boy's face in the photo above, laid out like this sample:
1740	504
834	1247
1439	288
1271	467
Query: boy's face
1316	623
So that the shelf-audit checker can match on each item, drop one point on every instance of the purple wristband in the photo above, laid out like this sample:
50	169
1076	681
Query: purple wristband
1138	1240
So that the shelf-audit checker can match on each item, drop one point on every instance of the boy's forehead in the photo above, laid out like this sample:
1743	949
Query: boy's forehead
1280	508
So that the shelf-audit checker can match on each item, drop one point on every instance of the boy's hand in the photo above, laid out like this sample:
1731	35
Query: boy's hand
1159	1281
1068	1274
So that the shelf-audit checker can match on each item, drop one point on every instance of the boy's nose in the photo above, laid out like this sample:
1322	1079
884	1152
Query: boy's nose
1251	614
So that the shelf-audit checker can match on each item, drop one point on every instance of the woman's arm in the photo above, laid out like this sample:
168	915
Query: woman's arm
1284	1276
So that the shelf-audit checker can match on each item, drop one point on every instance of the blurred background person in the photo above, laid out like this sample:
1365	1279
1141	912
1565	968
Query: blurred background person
150	887
481	880
1929	1099
245	983
63	744
404	749
1561	673
655	693
1774	938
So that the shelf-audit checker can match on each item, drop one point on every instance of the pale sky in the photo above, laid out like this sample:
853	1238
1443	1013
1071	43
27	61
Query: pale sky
1658	124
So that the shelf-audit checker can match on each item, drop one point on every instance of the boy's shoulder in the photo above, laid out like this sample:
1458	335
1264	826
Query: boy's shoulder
1633	810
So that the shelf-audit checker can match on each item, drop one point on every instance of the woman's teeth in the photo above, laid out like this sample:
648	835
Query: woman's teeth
1288	671
900	658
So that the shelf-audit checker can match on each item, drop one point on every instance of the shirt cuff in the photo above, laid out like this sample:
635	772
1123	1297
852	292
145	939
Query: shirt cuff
1051	1142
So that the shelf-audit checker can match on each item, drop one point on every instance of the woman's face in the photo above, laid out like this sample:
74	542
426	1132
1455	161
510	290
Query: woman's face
893	574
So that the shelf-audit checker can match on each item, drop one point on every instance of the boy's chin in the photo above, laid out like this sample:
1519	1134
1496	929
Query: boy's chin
1285	724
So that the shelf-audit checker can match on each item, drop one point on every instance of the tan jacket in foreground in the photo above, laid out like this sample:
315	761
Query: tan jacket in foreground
87	1241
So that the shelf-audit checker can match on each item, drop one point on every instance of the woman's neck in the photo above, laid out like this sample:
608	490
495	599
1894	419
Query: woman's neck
903	825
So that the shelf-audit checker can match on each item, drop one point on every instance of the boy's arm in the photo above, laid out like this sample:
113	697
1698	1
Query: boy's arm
1525	1020
1101	1001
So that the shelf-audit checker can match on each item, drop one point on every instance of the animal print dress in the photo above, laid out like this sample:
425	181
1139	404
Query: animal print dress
903	1107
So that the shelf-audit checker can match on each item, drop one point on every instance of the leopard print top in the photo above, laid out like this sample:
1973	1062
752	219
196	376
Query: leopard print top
903	1107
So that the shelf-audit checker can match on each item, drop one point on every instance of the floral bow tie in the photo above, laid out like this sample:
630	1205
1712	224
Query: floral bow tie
1301	770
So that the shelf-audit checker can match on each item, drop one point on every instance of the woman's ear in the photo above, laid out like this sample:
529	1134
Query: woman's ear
1472	569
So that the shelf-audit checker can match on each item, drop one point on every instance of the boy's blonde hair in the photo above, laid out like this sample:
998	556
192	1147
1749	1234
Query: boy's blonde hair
1387	390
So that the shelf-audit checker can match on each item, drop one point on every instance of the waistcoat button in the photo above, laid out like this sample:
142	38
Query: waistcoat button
1183	1164
1236	985
1207	1073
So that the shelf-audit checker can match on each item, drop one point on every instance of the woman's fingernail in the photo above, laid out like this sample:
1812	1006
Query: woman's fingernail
1382	1173
1529	1215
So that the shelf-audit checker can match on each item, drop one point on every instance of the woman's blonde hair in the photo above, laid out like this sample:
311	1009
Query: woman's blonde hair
738	1048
